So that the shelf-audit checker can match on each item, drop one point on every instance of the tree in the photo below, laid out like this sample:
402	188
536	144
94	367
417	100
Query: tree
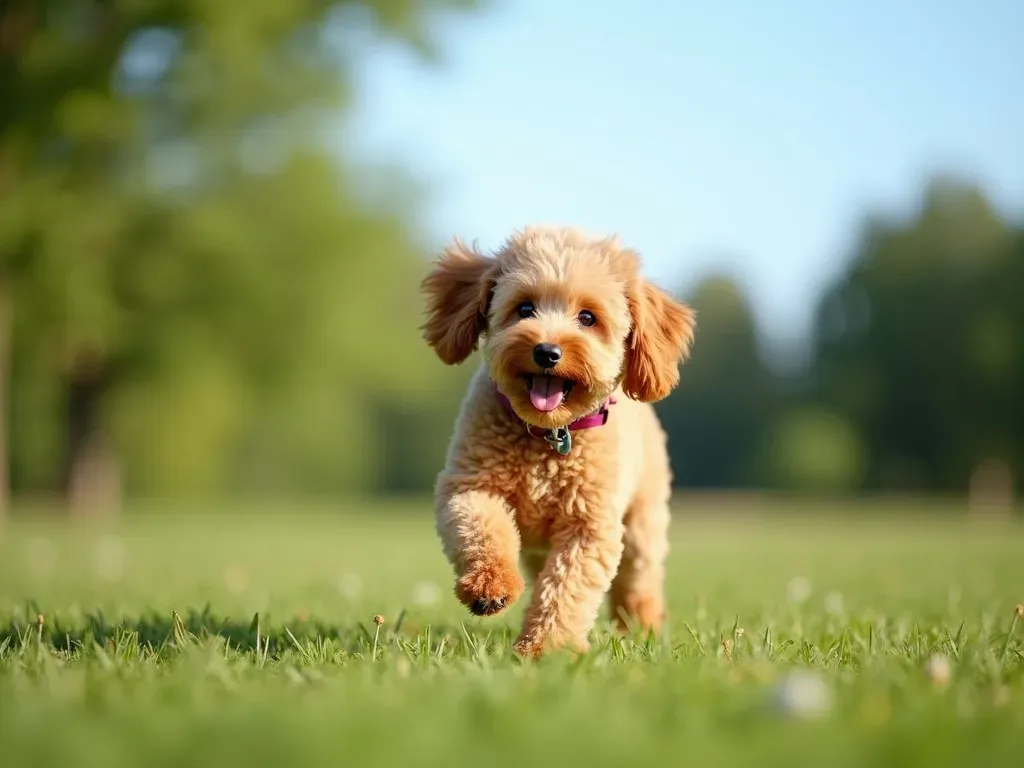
717	416
920	344
175	235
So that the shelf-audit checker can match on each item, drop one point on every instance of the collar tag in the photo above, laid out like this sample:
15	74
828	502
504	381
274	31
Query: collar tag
560	439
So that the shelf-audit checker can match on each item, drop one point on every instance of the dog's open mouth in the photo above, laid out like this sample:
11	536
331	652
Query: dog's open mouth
547	392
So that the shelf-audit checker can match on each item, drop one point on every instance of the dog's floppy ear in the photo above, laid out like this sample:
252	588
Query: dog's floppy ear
658	342
458	290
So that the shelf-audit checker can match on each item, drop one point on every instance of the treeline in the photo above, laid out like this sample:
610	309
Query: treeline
199	296
915	373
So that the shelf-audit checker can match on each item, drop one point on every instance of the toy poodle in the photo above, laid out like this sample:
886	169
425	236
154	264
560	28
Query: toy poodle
558	461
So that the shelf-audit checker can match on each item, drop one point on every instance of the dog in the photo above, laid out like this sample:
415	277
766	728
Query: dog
558	461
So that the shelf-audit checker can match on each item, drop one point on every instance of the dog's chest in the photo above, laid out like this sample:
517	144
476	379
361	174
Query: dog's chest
547	488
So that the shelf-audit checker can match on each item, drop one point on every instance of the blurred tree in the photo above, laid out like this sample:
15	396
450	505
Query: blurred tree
192	282
5	361
920	344
811	448
717	417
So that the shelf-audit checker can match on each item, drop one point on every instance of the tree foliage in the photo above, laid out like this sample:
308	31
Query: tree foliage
915	367
920	344
197	295
717	417
197	285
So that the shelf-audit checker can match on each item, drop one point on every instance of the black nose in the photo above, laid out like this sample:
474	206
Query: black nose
546	355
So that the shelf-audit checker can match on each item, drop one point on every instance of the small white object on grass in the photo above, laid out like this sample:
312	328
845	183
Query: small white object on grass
350	585
835	604
798	590
802	694
939	670
426	594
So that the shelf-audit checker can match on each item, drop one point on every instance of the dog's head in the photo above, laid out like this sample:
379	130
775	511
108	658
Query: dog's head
565	320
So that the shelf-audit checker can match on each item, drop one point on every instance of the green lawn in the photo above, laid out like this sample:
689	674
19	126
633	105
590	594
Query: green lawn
151	652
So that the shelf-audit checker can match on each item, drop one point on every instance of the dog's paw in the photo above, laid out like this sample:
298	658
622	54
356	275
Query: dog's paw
489	588
527	647
645	613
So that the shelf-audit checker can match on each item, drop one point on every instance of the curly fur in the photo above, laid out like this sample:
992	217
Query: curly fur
583	526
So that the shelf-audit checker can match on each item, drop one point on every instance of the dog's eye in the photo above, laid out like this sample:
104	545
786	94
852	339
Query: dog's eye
586	318
525	310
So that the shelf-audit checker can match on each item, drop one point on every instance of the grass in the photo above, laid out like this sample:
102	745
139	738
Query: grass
190	639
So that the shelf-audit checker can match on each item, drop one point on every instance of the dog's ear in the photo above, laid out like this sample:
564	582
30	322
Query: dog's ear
658	342
458	290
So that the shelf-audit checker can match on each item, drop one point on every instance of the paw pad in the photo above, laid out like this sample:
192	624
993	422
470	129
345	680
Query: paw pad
485	607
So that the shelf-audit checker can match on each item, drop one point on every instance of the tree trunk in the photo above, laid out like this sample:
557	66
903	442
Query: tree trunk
92	478
5	377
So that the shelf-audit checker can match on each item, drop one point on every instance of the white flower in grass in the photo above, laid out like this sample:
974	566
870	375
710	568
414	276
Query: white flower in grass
835	604
939	670
798	590
109	558
426	594
350	585
802	694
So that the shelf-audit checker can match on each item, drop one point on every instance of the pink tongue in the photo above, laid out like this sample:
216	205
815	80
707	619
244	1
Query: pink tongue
546	392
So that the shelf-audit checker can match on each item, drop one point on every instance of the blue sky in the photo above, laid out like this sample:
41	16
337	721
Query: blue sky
746	137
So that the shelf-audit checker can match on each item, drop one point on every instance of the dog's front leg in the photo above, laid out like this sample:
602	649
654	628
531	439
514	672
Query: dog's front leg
570	588
481	542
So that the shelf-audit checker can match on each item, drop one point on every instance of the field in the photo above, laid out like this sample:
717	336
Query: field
836	636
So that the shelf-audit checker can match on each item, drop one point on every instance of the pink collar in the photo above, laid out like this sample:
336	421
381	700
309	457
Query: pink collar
596	419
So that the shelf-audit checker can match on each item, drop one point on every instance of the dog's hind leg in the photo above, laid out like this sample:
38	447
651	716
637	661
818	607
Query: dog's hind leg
637	595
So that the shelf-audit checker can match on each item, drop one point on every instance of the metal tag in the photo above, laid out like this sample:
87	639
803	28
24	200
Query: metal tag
560	439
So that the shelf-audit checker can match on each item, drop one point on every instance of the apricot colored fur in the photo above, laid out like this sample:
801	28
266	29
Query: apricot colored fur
593	523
